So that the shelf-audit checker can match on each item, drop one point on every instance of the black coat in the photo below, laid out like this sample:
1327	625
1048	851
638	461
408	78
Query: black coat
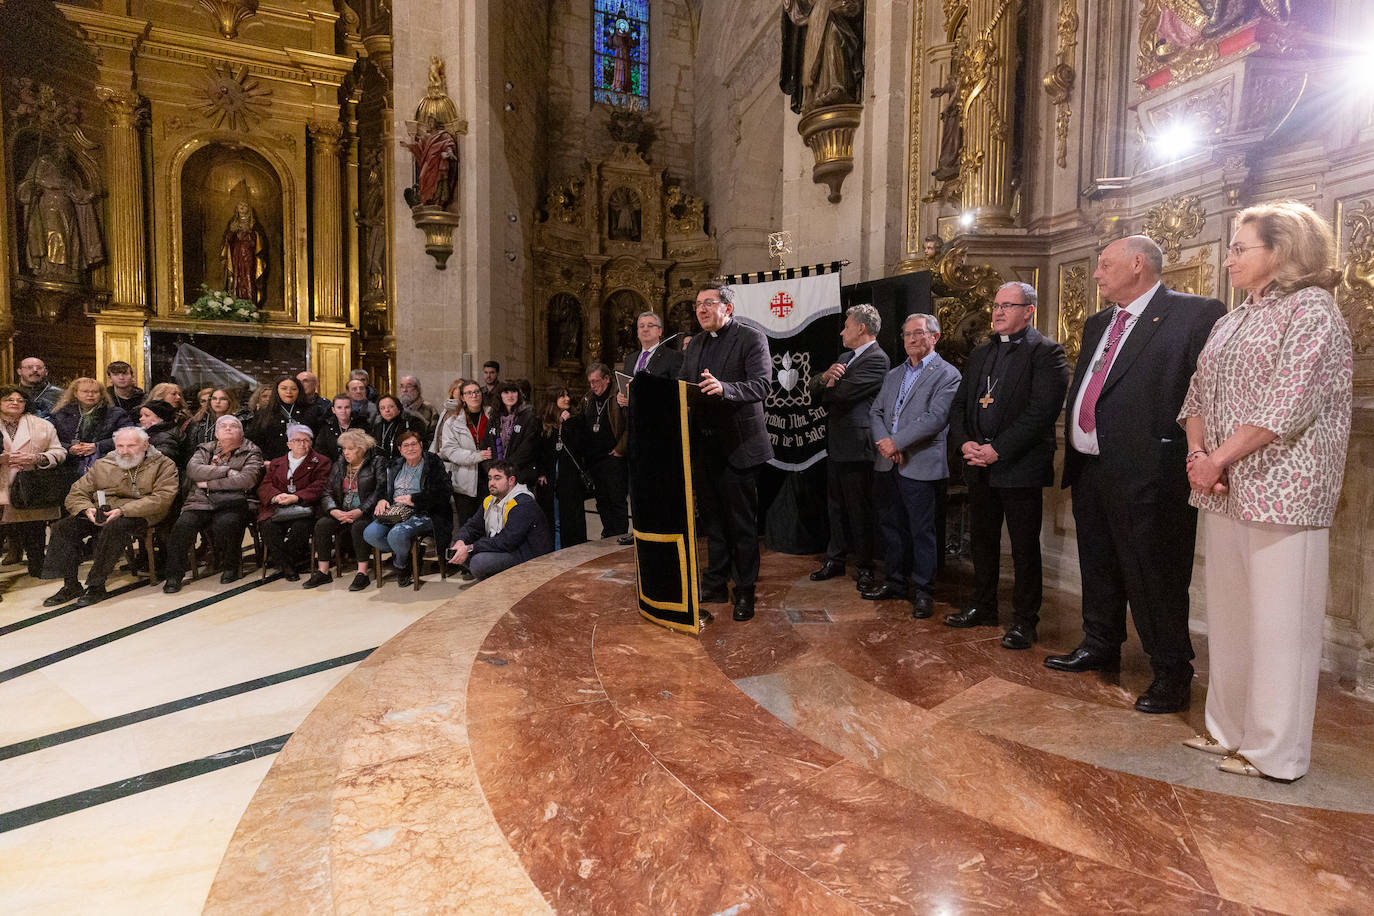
1138	435
664	362
738	357
523	450
168	439
68	420
848	435
267	429
526	532
370	476
434	499
1019	423
386	432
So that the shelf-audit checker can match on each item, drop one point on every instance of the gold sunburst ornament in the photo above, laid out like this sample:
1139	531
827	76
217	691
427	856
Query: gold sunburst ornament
233	97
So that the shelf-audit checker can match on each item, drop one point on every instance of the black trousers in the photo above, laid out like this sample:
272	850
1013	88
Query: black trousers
612	476
64	551
728	502
30	536
908	525
327	528
1023	509
1139	554
226	533
287	543
466	506
849	503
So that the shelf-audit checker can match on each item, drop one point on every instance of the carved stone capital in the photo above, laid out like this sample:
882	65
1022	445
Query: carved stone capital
327	136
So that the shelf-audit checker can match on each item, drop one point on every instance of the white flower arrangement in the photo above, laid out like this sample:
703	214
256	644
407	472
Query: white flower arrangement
217	305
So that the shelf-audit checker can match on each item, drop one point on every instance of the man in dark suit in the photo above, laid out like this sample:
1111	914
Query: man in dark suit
847	390
653	358
1002	423
1125	458
910	421
732	369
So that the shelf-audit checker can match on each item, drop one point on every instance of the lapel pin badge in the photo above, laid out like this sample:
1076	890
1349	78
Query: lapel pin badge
1156	319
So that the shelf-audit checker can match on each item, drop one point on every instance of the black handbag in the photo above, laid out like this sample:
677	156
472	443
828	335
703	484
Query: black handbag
40	488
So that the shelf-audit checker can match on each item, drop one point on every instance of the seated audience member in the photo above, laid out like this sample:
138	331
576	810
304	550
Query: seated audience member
218	402
33	381
86	419
338	422
509	529
361	375
364	411
288	498
30	442
257	400
354	485
171	393
224	476
268	427
413	402
417	489
313	410
458	441
561	494
123	393
114	502
158	420
513	433
391	422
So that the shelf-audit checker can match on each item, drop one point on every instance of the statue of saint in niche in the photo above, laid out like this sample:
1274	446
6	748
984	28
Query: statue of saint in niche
244	250
433	147
951	127
623	216
62	231
822	52
1184	23
565	330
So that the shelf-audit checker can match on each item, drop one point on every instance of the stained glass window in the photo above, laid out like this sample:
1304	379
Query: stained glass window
620	59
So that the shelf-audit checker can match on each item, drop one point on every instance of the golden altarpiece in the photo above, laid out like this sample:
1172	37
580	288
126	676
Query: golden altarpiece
613	242
154	148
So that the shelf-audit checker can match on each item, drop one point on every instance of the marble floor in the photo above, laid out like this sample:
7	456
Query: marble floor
532	745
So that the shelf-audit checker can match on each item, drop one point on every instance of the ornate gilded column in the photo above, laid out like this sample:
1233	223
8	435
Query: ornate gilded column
126	237
6	309
355	269
987	96
326	212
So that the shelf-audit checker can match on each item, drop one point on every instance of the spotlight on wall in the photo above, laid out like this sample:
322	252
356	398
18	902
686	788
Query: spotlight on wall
1176	141
512	216
510	106
509	85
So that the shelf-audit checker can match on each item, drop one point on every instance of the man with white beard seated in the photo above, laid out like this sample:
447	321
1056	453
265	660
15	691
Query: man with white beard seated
509	529
114	502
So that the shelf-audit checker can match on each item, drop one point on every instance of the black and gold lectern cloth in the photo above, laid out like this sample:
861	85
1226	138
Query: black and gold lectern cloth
660	459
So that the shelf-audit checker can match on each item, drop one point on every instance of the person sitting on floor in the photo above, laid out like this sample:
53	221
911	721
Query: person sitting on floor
223	476
288	499
114	502
509	529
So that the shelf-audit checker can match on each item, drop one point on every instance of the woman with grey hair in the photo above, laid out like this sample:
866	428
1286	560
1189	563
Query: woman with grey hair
288	499
223	476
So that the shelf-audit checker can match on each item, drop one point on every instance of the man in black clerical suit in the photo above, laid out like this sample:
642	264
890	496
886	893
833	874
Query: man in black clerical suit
732	369
1125	458
847	390
1002	423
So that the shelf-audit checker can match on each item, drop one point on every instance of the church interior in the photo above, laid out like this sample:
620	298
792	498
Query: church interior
414	187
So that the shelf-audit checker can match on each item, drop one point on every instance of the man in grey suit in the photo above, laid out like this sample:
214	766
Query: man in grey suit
729	364
910	420
847	390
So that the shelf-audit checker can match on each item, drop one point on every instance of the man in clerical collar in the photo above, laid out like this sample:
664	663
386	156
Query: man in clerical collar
1003	424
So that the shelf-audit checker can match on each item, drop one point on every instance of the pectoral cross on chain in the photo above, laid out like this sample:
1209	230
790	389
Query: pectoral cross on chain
986	400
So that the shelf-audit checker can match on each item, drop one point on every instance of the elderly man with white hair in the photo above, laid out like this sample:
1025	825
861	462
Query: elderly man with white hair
114	501
224	475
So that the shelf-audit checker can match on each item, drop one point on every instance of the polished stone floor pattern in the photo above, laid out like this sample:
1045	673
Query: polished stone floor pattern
534	746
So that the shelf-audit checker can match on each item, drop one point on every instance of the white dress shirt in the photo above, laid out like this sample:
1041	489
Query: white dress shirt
1086	443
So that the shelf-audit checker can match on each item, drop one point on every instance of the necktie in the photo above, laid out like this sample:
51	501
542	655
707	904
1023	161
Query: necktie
643	361
1087	412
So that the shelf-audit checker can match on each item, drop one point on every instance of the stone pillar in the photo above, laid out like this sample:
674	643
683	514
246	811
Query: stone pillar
987	92
125	234
326	216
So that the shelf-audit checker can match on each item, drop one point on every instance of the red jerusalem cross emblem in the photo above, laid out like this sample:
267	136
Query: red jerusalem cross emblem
781	304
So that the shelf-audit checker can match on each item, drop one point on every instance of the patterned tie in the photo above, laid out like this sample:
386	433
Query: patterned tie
1087	412
643	360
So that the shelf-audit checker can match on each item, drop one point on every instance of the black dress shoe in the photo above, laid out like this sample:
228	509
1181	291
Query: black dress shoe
1019	636
65	594
1168	692
865	580
625	540
1082	659
93	595
317	579
971	617
171	587
290	574
713	596
360	582
229	575
829	570
884	592
922	606
744	605
403	578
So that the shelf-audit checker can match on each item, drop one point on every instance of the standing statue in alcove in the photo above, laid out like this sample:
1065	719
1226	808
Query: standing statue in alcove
244	250
1183	23
433	145
951	126
62	231
822	52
